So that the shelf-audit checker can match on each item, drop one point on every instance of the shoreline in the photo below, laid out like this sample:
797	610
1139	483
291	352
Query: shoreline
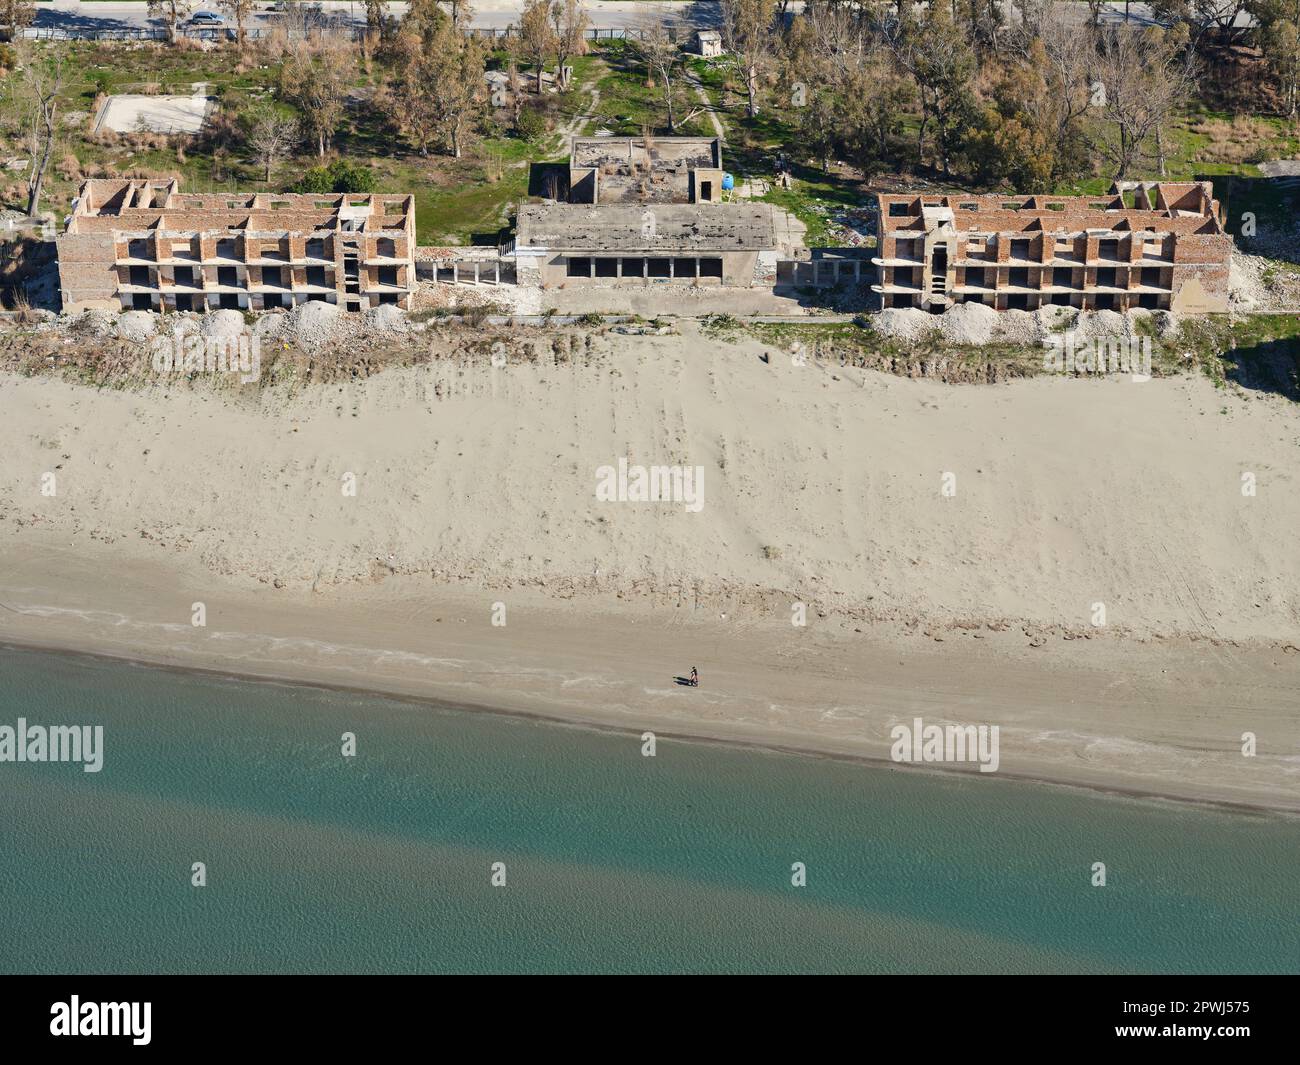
1144	721
699	738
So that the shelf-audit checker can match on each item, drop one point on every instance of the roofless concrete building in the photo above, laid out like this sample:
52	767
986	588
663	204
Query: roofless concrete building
651	209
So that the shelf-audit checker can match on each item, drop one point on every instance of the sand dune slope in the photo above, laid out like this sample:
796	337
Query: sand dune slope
819	484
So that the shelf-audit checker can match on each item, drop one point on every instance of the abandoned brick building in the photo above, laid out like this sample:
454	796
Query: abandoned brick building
642	210
1159	245
134	244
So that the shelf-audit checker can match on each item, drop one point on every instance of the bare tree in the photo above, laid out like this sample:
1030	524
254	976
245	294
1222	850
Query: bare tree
15	14
241	11
570	21
841	37
663	60
1205	19
271	136
1171	81
37	90
173	13
748	37
1141	76
536	38
377	16
1069	58
461	13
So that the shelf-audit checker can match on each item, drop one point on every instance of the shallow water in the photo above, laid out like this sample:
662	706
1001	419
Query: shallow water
613	861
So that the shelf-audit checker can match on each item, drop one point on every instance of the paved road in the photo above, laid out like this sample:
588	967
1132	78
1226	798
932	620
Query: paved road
72	16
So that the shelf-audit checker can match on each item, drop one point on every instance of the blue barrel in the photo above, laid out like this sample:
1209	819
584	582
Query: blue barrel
728	182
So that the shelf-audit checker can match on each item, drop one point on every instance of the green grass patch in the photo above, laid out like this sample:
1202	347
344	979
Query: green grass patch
1259	352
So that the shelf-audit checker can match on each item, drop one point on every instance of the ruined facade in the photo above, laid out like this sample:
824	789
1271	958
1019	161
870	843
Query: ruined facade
643	210
134	244
1158	245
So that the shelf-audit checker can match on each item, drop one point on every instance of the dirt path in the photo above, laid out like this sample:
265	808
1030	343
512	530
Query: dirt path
708	105
575	125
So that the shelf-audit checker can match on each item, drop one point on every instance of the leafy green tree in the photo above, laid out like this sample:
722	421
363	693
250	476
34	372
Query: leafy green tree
881	97
377	16
340	176
530	123
821	125
438	95
1013	142
315	79
935	51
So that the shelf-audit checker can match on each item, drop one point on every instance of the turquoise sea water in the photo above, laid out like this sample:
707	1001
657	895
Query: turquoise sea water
613	861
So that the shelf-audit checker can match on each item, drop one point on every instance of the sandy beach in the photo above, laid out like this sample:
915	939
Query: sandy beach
822	485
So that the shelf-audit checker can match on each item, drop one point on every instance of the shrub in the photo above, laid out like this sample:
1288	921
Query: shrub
352	177
342	175
531	123
316	179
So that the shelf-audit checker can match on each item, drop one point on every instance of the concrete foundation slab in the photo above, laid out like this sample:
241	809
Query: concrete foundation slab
136	113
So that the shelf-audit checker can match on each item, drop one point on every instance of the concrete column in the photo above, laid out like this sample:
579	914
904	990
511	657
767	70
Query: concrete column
672	269
816	272
645	268
618	267
476	272
697	268
496	272
591	267
455	273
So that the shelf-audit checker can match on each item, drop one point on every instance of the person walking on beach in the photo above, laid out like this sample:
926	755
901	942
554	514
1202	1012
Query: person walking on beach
695	678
